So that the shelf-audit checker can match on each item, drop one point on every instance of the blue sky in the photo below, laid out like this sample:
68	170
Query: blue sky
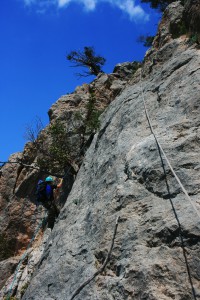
35	37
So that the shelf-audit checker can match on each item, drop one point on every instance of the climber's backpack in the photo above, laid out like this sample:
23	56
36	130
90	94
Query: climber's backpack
40	193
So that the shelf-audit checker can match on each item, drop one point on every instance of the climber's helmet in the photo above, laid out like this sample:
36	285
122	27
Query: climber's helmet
49	179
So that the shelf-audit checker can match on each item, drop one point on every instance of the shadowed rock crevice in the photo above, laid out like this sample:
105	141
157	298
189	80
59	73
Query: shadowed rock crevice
101	133
154	180
173	237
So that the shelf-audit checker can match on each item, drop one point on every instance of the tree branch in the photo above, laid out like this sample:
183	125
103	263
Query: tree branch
30	166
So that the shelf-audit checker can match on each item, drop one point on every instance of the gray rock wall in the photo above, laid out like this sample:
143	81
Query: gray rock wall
156	250
18	181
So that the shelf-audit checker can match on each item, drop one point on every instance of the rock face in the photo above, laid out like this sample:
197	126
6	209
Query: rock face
156	250
192	16
170	24
16	213
19	217
123	174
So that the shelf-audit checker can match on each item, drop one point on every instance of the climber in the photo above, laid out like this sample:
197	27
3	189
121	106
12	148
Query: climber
45	195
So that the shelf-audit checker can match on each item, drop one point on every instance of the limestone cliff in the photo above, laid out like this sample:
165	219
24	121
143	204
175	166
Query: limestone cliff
20	217
121	173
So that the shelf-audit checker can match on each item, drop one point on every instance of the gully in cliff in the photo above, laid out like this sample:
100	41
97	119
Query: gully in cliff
45	196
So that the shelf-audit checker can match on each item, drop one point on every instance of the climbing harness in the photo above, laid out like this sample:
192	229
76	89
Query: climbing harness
165	156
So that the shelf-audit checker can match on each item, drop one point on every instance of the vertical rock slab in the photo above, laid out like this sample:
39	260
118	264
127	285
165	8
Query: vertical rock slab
156	251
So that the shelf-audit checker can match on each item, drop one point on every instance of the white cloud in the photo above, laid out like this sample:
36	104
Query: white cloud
88	4
62	3
29	2
135	12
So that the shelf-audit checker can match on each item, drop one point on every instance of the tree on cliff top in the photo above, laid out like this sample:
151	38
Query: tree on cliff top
88	59
146	40
158	4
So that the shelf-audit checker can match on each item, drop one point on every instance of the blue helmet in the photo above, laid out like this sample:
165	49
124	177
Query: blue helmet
49	178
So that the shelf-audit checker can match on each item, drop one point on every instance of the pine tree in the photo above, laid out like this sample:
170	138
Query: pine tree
158	4
88	59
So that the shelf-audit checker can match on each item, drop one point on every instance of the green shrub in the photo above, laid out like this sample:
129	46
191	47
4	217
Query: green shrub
178	29
193	39
24	288
146	40
59	148
11	298
60	144
58	152
6	247
90	120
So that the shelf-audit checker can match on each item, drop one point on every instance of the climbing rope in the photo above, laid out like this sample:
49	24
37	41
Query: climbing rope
29	166
99	271
165	156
